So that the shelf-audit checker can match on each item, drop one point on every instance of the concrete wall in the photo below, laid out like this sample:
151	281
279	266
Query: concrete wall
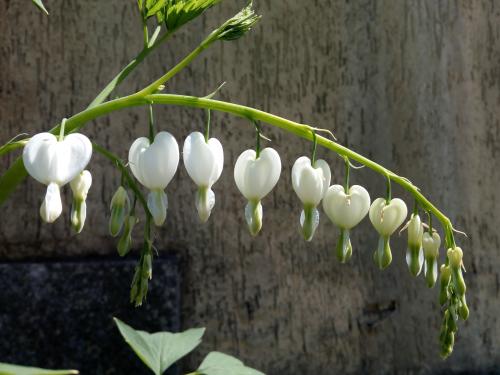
415	85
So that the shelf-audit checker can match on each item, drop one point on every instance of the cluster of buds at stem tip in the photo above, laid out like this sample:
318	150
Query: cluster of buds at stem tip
255	177
452	298
204	160
80	187
346	210
310	183
386	216
154	165
55	162
415	252
143	273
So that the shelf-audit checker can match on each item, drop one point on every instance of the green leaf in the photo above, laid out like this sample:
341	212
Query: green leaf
160	350
40	5
154	7
216	363
180	12
6	369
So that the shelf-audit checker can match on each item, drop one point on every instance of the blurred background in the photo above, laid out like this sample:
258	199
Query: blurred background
414	85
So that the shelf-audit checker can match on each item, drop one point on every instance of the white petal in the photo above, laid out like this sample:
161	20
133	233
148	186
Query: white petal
158	205
51	207
240	170
138	147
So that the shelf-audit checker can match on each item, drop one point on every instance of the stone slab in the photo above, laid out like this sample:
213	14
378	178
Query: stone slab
59	314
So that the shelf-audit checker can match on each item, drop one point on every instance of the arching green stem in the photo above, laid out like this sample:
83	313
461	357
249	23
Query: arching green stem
16	173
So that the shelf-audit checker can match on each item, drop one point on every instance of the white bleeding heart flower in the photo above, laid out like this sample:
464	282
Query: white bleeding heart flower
310	184
346	211
154	165
386	217
204	162
255	178
80	187
414	252
431	244
55	163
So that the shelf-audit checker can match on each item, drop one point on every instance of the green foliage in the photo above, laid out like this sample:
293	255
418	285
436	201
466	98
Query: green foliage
216	363
6	369
40	5
175	13
160	350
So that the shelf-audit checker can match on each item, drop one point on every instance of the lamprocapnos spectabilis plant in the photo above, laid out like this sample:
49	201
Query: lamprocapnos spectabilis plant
153	161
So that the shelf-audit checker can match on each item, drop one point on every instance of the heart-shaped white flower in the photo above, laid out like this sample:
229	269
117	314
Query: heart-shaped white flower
48	160
55	163
346	210
386	218
310	183
204	162
256	177
154	165
414	253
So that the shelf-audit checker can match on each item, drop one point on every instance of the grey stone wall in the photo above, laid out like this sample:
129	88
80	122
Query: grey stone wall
415	85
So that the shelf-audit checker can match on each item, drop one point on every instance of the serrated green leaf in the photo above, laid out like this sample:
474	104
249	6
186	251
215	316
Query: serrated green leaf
216	363
160	350
155	7
40	5
180	12
7	369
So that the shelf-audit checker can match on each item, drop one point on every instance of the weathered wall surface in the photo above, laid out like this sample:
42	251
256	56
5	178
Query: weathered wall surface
414	85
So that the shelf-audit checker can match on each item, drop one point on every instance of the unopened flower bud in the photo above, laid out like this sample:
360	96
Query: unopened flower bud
80	186
125	242
120	204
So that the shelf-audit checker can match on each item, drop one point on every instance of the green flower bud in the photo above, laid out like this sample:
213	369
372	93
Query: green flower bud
253	216
444	283
463	310
120	206
78	214
147	267
309	220
344	247
125	242
383	254
455	256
